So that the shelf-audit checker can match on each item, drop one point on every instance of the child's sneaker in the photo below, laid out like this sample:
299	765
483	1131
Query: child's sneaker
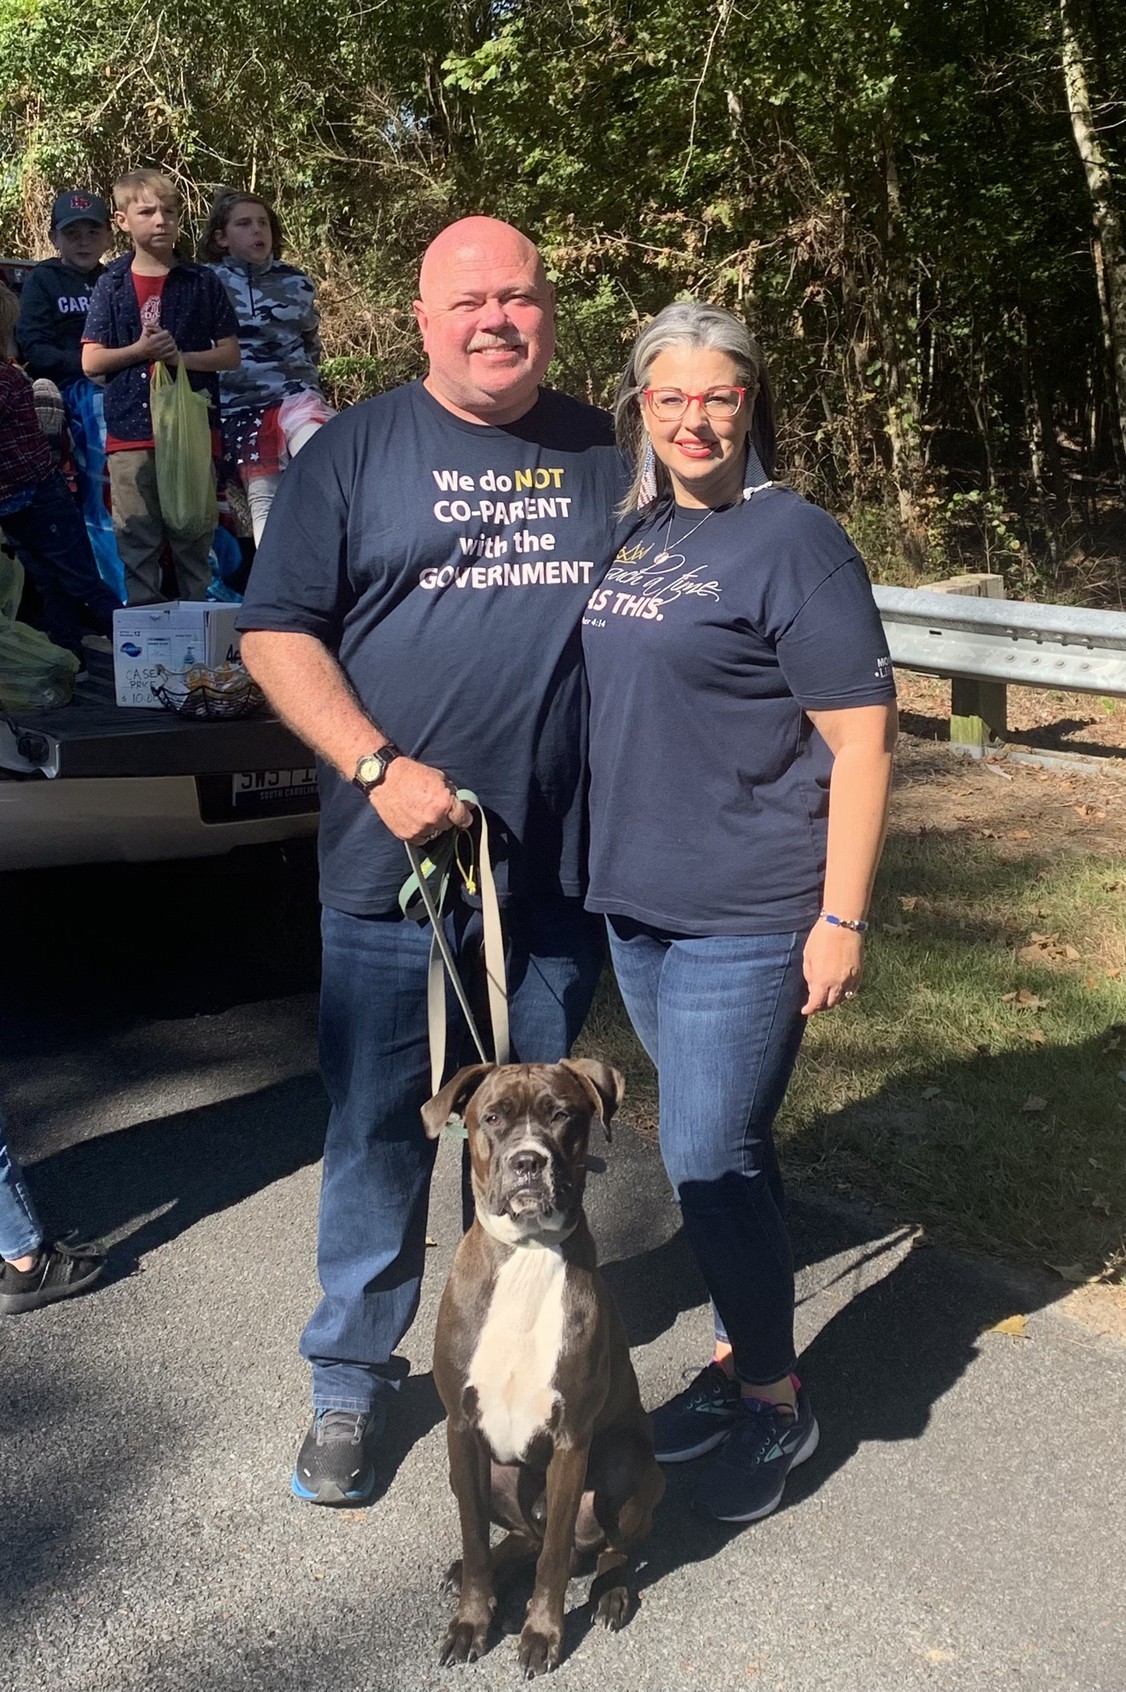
59	1271
745	1479
697	1419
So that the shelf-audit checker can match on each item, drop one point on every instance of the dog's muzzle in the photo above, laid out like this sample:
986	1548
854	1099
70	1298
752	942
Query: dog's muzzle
529	1184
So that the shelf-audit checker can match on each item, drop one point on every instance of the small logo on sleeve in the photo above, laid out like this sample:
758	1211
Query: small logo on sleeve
883	668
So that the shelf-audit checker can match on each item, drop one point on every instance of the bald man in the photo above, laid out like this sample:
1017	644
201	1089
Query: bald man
414	613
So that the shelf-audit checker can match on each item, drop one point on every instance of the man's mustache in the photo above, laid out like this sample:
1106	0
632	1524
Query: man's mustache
488	343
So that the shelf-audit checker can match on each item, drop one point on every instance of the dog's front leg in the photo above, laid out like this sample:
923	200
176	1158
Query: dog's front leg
541	1641
470	1470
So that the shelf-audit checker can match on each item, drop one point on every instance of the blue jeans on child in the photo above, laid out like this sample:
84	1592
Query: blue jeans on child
376	1067
20	1232
721	1019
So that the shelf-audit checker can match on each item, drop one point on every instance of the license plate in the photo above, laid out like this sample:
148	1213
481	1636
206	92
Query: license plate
268	790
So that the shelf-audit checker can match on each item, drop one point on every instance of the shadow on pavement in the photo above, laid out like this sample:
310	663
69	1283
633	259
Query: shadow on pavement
142	1186
156	940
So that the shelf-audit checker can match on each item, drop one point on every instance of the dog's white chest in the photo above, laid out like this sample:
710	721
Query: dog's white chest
514	1363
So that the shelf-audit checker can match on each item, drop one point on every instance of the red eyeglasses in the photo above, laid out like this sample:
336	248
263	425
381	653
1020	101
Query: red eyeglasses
668	405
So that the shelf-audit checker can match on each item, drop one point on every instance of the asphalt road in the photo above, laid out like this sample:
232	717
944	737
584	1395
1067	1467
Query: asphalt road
962	1526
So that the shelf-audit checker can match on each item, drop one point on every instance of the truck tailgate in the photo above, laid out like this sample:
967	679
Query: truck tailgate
94	737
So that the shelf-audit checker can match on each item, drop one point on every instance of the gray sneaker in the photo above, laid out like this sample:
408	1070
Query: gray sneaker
697	1419
336	1463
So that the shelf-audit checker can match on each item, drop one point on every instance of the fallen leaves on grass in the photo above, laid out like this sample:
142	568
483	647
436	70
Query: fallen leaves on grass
1042	947
1024	999
1033	1103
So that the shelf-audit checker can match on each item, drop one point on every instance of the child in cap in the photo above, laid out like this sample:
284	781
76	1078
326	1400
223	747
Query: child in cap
56	295
150	306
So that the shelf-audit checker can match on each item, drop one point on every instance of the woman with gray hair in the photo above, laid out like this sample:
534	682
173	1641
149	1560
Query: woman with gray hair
741	735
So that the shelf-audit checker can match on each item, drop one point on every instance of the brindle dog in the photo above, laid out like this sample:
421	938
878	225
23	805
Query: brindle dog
546	1432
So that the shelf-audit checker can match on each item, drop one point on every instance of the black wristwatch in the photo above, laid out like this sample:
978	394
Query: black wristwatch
372	767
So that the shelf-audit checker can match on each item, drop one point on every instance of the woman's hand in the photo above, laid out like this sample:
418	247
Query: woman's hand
833	962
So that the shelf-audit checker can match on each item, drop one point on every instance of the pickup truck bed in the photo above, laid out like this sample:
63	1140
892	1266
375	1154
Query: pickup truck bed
93	782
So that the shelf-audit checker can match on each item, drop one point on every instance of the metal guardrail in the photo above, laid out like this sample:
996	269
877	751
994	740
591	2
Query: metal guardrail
1005	640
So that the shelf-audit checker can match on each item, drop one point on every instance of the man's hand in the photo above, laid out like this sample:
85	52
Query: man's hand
417	802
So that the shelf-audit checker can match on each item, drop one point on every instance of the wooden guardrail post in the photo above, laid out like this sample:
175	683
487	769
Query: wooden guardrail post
978	713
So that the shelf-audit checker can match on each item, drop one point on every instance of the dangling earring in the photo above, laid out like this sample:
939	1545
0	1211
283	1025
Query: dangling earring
647	489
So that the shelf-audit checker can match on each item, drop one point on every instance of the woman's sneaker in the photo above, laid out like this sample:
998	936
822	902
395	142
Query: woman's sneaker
59	1271
697	1419
745	1479
336	1463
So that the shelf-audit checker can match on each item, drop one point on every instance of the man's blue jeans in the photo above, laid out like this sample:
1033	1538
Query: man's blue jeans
721	1019
376	1068
20	1232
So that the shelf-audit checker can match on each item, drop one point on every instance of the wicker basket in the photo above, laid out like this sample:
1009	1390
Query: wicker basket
233	695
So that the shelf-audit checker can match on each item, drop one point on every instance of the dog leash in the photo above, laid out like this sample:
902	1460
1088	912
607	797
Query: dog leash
422	897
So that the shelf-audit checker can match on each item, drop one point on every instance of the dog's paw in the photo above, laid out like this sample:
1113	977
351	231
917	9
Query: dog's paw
450	1584
613	1608
539	1650
464	1642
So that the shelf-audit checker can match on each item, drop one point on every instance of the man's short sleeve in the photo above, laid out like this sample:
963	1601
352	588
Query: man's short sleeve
299	583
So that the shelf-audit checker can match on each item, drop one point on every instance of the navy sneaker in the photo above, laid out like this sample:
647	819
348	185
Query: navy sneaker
744	1481
336	1463
697	1419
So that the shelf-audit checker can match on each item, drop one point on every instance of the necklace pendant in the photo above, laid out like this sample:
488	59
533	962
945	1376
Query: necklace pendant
661	558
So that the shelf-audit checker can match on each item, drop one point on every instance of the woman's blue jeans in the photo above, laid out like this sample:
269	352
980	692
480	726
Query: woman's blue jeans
721	1019
375	1062
20	1232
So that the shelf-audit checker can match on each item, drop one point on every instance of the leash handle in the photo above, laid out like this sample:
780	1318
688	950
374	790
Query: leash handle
418	889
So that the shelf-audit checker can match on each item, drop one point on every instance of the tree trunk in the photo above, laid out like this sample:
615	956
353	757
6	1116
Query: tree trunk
891	313
1110	257
1042	455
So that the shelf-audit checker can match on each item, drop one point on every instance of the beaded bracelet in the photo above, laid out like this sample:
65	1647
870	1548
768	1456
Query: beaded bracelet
844	922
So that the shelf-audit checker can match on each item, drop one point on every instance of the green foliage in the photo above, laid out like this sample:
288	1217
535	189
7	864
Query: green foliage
888	189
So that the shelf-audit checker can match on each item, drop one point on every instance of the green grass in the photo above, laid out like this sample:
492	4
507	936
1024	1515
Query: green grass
998	1124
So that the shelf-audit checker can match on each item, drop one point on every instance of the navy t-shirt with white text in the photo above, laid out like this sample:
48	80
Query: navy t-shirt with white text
709	786
446	564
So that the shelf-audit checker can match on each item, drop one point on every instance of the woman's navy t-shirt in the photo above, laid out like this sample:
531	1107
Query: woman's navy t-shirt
446	564
709	789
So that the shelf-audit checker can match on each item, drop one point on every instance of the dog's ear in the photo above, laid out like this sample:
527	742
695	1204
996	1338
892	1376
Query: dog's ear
453	1098
608	1085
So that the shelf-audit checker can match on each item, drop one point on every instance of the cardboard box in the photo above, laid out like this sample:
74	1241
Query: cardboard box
176	635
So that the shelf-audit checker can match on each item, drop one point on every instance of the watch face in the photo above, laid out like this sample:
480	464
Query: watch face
370	769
